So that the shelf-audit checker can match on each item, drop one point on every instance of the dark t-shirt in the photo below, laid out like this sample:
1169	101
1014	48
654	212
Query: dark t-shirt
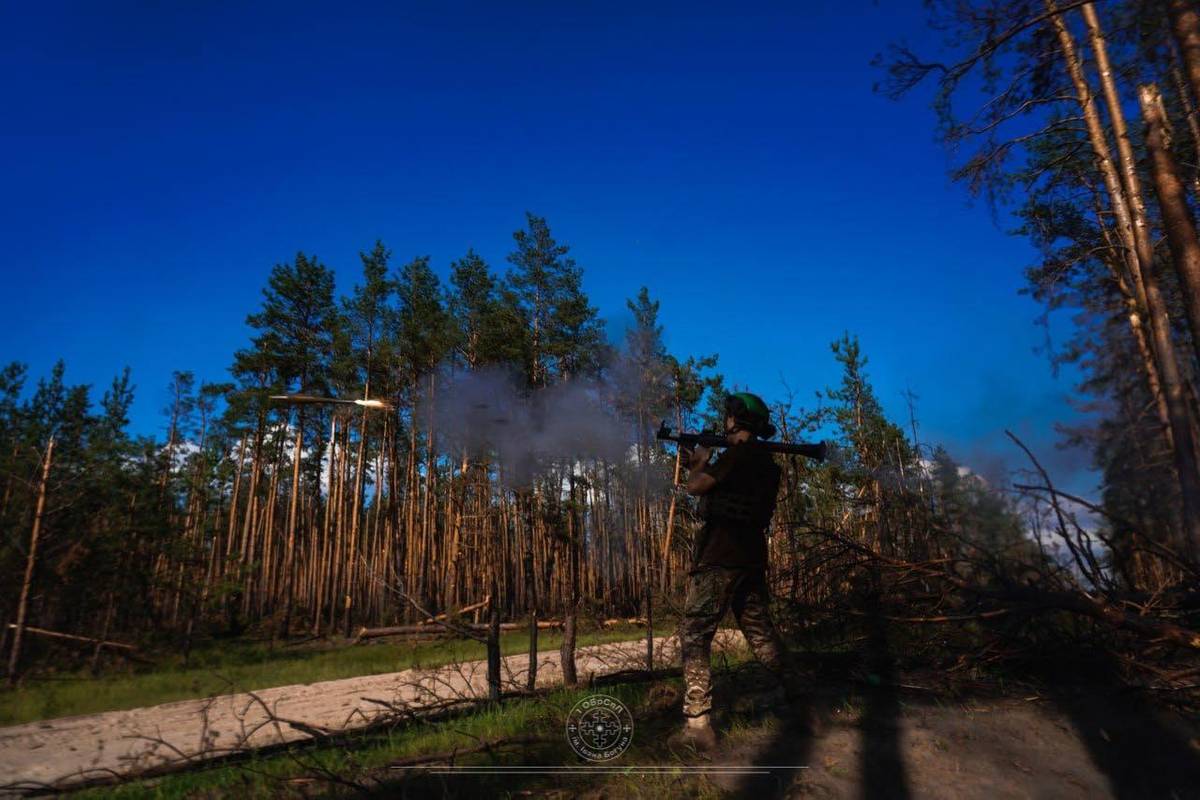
747	480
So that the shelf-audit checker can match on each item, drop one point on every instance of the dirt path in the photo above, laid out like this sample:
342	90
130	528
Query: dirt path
853	742
67	751
1083	743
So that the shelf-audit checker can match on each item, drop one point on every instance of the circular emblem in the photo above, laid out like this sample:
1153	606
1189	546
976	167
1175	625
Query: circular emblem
599	728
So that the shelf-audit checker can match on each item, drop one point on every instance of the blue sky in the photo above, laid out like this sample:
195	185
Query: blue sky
160	158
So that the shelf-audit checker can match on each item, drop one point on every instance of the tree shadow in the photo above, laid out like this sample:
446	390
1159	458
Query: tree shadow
785	754
882	766
1143	750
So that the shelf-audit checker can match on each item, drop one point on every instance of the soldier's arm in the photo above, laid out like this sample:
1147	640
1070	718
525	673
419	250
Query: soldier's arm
700	482
700	479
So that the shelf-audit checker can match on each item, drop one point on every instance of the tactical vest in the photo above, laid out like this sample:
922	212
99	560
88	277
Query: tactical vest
742	509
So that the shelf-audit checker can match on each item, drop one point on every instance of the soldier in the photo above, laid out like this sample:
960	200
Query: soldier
729	560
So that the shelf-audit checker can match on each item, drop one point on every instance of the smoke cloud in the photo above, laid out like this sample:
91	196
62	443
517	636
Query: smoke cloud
487	412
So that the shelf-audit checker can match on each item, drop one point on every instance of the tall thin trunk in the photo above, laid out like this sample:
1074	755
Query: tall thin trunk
648	588
268	588
1185	25
290	547
531	594
666	551
1172	201
493	641
30	560
337	597
345	599
1137	325
410	501
352	541
1190	115
246	554
94	664
324	587
571	612
234	494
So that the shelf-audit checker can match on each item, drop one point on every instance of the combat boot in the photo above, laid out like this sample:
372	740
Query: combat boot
697	733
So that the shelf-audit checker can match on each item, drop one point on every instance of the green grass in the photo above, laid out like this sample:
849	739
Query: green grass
238	666
303	773
291	774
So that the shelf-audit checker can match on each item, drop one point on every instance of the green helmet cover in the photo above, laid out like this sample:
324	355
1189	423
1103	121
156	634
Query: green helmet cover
750	410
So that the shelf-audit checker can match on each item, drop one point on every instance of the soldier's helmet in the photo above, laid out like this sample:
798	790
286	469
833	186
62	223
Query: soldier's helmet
750	412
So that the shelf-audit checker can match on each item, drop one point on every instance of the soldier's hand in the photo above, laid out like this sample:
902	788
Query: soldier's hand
698	457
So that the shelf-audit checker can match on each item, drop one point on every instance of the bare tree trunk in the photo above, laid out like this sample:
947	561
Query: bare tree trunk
234	494
381	555
1116	197
1137	325
30	560
666	553
1190	115
1185	25
410	502
324	587
246	555
289	551
355	514
94	666
267	596
648	588
493	642
428	505
340	602
531	594
570	614
1172	201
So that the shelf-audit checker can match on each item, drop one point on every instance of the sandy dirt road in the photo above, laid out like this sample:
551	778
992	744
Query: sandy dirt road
71	750
1084	745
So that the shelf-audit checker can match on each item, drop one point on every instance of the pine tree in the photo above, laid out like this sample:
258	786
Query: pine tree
565	336
367	319
489	327
880	454
424	337
295	326
644	377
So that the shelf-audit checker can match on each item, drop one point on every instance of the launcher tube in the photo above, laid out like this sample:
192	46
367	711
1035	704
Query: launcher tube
707	439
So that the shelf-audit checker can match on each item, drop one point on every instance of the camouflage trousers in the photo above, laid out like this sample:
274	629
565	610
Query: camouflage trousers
711	591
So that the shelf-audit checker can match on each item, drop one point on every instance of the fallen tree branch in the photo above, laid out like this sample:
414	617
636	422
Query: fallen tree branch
127	651
76	638
1037	599
458	613
467	630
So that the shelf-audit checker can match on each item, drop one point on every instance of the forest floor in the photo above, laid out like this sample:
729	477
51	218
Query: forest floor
879	732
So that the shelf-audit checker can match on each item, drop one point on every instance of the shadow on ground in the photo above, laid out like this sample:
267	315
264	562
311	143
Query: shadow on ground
1143	750
867	732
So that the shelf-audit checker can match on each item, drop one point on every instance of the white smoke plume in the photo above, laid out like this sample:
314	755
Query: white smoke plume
488	413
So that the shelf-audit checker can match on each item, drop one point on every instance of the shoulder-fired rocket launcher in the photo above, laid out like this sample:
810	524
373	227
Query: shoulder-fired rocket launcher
709	439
